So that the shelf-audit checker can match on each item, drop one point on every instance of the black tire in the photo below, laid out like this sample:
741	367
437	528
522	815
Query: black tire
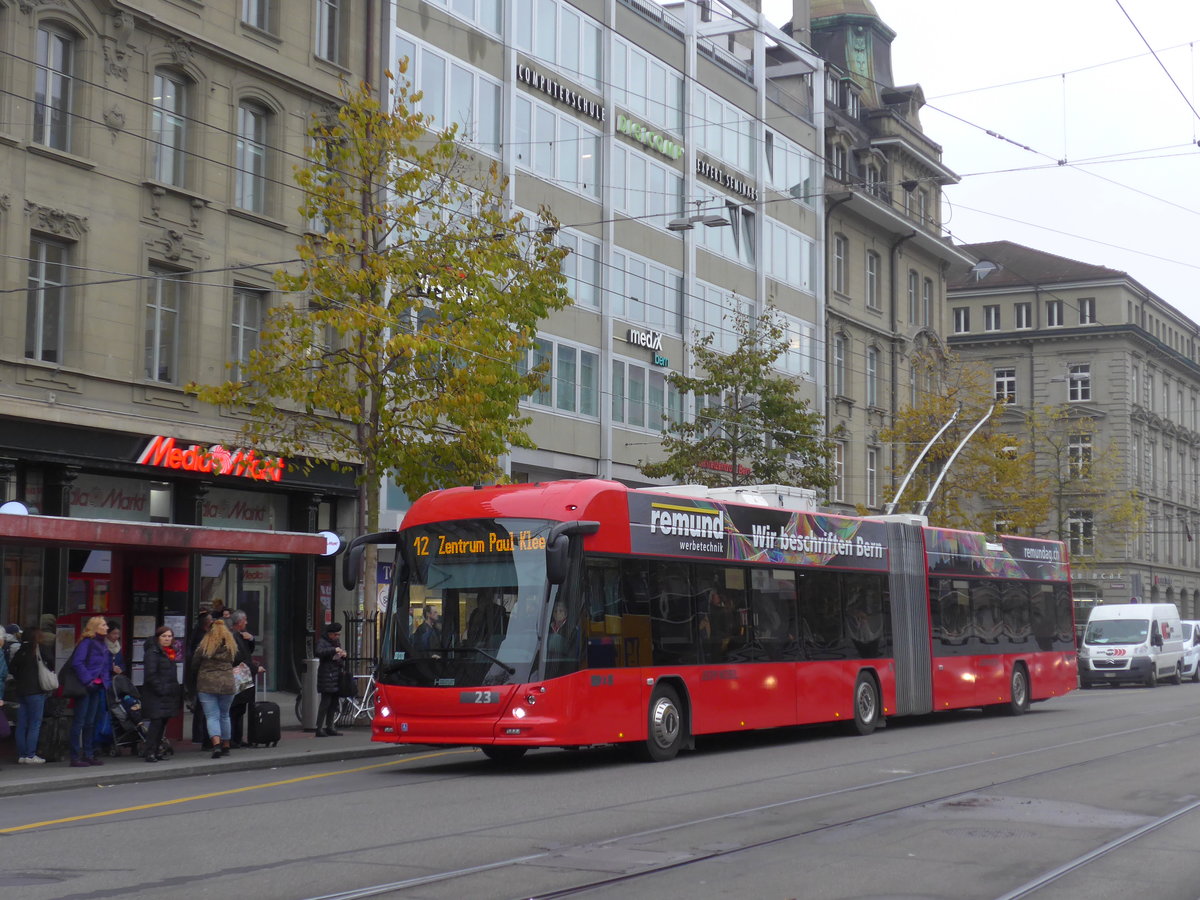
1152	677
1177	678
1196	674
866	704
1018	692
504	754
666	732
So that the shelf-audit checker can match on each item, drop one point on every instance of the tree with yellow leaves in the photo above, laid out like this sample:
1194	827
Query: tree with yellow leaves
402	347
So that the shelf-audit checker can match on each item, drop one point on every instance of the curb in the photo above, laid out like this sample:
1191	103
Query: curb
242	761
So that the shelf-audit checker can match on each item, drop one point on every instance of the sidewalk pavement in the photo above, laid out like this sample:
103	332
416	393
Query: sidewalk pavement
296	747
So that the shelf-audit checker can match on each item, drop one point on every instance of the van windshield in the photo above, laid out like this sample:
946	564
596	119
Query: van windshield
1117	631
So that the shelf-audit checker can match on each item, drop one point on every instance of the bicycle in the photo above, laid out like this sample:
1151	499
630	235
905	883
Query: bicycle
351	709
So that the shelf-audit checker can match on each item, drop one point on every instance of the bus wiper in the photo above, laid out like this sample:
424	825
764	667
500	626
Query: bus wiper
505	666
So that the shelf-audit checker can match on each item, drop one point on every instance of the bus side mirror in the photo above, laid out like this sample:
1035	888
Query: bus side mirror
354	554
558	547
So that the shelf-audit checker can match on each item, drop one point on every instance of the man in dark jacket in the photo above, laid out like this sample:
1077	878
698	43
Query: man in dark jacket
245	700
329	678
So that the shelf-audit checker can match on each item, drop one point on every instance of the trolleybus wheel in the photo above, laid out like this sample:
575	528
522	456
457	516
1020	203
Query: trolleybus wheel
504	754
665	732
866	704
1018	703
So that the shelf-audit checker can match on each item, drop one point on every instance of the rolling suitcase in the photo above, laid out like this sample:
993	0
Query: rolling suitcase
263	727
55	737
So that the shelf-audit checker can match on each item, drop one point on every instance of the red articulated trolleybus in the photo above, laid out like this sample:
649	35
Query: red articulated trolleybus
580	613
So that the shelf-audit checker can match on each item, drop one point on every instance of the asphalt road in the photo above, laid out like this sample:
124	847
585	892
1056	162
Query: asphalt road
1100	789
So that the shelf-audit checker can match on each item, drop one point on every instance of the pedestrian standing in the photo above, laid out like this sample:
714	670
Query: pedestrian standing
93	665
244	700
213	664
199	630
329	678
31	657
161	690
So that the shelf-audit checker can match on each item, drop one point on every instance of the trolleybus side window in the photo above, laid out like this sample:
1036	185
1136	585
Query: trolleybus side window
821	615
950	608
773	614
867	615
1014	609
673	617
986	613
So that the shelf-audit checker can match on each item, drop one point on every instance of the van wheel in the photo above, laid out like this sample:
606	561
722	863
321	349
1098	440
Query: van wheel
1018	703
1196	674
1152	676
866	704
665	730
1177	678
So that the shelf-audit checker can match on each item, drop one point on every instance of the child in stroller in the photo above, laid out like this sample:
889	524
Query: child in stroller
129	726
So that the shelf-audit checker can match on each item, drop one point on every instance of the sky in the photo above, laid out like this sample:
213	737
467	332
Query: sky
1064	80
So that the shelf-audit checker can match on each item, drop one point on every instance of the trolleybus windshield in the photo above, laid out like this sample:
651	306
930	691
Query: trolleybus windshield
473	608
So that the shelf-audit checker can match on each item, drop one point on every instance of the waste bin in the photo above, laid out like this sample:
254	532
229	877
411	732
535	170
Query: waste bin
310	699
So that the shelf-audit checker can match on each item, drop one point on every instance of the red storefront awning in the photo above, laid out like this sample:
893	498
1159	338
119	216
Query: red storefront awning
104	533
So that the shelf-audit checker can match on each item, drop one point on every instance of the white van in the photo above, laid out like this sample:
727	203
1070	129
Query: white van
1137	643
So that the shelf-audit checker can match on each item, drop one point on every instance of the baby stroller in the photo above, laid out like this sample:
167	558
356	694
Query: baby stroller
129	727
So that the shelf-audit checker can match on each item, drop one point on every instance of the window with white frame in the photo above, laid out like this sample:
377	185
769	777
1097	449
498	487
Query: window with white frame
1079	455
962	319
561	35
838	164
581	267
1054	313
721	129
841	248
646	87
872	376
570	377
642	397
1087	310
837	492
873	265
1023	315
927	302
788	256
54	88
1148	390
331	29
46	299
646	189
646	291
797	359
991	318
790	169
1004	384
1081	532
714	311
839	365
484	13
164	295
557	147
457	94
1079	382
735	242
249	310
872	498
260	14
250	173
914	285
168	127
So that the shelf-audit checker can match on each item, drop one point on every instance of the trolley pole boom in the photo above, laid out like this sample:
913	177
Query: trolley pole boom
890	508
923	506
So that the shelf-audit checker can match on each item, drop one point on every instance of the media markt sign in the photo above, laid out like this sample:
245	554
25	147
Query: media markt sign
215	460
651	139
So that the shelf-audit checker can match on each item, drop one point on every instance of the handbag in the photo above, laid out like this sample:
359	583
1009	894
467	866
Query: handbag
242	679
68	679
347	685
47	680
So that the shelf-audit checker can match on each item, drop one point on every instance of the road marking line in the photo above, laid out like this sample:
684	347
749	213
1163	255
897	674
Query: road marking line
253	787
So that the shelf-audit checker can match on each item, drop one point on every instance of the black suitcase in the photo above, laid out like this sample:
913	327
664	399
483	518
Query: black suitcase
55	737
264	722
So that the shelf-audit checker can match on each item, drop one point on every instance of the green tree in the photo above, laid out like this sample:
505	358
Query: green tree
403	347
750	427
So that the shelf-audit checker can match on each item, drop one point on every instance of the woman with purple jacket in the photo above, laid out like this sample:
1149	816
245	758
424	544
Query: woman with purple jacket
93	664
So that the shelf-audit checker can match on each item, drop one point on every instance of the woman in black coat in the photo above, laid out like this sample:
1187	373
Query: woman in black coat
161	691
329	678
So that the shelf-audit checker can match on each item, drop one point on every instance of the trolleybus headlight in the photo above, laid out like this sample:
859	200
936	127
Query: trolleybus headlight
385	711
